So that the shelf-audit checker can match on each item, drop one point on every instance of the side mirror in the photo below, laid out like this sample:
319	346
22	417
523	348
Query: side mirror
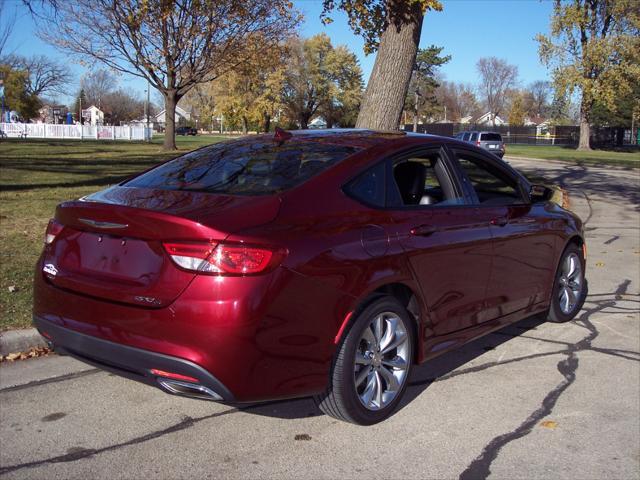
540	193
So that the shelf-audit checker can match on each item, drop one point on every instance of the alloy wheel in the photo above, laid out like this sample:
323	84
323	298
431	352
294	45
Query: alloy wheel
570	283
381	361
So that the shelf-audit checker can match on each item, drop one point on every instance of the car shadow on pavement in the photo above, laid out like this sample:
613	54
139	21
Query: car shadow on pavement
444	366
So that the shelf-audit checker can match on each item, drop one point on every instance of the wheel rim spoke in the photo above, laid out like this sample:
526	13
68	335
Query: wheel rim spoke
564	299
369	391
378	325
396	362
391	381
379	390
389	333
363	375
572	297
400	338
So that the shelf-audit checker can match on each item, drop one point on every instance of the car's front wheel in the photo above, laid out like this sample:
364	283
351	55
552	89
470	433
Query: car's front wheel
372	365
570	286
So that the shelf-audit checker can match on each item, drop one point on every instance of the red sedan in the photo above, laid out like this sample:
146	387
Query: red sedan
322	263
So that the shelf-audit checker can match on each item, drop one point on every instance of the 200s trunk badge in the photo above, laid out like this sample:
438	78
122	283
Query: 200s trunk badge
98	224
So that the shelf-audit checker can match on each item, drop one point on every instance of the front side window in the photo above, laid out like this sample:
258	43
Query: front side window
492	186
245	167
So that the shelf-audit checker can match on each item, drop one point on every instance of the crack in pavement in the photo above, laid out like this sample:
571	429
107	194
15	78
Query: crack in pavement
480	467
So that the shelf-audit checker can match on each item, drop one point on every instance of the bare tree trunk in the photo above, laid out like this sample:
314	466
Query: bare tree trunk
585	128
266	122
245	125
170	102
304	121
387	88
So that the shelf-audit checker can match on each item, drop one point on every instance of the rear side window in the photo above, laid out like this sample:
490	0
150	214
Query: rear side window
245	167
490	137
474	137
369	188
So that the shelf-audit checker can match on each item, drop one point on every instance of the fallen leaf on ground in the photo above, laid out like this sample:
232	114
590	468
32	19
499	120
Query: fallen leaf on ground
549	424
33	352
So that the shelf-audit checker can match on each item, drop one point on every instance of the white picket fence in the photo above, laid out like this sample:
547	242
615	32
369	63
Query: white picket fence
74	132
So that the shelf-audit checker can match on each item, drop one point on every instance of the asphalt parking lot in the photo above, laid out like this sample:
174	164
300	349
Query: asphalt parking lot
534	400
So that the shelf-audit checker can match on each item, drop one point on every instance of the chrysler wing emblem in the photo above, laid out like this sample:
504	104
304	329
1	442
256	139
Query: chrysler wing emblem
96	223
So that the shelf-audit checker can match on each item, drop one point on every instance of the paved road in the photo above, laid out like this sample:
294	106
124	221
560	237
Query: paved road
534	400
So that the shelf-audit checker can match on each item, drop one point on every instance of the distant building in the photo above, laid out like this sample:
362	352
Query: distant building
318	122
52	114
181	117
485	119
93	115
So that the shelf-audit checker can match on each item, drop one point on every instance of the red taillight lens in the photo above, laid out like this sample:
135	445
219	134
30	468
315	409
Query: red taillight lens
53	229
174	376
478	143
230	259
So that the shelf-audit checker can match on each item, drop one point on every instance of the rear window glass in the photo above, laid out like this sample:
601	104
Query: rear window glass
490	137
245	167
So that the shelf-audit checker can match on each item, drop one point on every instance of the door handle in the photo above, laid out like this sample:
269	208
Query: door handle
499	221
423	230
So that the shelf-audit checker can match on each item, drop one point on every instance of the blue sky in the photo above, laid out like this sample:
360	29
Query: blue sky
467	29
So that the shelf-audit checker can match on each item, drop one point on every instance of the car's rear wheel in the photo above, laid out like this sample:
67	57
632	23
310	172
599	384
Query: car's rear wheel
570	286
372	365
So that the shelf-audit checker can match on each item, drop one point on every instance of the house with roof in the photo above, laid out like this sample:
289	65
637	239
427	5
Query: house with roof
181	117
93	115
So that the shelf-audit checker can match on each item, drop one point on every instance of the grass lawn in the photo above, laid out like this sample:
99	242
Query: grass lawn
623	157
35	176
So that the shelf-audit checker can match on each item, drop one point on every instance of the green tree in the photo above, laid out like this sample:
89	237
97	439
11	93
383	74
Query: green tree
517	110
393	29
342	103
16	92
421	97
593	47
80	104
321	80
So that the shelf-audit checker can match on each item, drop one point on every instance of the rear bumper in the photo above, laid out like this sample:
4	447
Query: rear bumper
134	363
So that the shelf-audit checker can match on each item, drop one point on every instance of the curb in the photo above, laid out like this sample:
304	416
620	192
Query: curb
14	341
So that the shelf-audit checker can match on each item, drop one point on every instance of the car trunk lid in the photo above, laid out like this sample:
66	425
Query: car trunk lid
111	246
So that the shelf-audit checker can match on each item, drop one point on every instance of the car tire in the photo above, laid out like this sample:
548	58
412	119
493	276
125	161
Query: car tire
372	366
569	287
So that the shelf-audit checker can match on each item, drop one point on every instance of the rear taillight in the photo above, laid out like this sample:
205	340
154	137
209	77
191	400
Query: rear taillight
53	229
224	259
478	143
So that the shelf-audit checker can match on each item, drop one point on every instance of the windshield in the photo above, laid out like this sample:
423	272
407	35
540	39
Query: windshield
247	166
